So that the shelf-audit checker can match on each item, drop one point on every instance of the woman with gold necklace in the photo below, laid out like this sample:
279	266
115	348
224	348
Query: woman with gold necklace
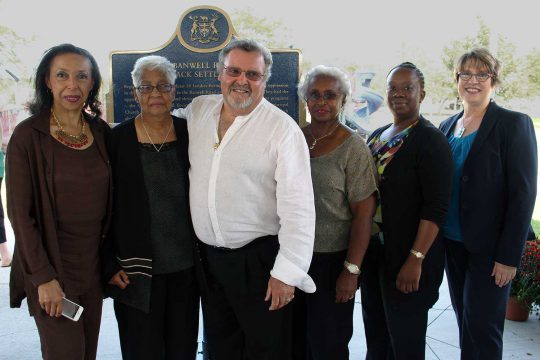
344	185
150	253
59	190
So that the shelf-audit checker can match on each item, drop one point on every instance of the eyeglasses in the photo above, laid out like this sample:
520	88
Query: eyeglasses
236	72
481	77
148	89
327	96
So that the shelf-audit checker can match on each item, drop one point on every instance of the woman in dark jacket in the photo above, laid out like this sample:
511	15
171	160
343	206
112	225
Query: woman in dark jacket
403	268
150	252
493	195
59	188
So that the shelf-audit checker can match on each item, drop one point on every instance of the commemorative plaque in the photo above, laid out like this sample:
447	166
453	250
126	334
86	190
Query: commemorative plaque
193	49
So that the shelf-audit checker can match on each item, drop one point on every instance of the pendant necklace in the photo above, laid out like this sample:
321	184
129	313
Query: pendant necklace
315	140
463	128
72	141
158	149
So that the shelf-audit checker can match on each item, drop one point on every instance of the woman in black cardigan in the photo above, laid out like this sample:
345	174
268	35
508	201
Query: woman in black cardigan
403	268
149	263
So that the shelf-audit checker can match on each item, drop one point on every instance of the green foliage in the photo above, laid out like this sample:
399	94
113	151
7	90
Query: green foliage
512	85
8	58
520	77
458	47
9	42
531	69
445	87
273	34
536	223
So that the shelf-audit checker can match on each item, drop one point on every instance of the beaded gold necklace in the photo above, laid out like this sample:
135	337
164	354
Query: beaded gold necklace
72	141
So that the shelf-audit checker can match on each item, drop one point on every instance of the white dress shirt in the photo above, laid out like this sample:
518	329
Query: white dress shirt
257	182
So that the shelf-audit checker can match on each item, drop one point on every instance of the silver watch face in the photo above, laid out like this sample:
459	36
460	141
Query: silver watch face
353	269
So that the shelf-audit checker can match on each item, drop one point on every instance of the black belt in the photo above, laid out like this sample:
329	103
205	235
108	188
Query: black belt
256	242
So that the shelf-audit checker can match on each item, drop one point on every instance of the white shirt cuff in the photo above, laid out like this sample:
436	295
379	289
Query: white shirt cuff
180	112
288	272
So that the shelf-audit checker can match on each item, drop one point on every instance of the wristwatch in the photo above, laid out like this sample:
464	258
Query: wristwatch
418	254
352	268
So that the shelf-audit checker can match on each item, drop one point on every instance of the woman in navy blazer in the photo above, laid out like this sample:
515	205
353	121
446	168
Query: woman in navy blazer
493	195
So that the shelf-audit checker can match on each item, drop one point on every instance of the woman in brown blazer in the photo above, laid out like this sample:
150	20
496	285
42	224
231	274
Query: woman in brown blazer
58	190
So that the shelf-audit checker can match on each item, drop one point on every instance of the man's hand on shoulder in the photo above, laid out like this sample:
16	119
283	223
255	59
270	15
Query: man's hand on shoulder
280	293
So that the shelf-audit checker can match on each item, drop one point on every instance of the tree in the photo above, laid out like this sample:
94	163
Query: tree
531	69
444	88
511	74
513	78
273	34
9	42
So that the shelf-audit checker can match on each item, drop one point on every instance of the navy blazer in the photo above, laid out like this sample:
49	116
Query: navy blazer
498	184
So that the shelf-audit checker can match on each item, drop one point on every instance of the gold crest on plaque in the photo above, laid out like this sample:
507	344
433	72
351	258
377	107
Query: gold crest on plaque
204	29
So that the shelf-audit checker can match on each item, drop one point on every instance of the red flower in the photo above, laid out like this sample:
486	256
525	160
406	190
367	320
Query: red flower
526	284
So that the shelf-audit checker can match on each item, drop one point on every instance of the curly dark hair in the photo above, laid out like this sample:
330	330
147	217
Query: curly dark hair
43	98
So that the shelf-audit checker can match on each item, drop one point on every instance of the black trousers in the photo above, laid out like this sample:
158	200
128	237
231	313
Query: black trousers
327	327
170	329
479	304
395	324
237	321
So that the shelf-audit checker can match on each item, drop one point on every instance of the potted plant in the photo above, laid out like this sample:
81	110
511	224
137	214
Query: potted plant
525	289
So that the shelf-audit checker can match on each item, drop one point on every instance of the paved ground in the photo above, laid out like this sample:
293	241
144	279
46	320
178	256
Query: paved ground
19	338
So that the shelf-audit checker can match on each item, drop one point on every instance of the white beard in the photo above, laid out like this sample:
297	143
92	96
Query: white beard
238	105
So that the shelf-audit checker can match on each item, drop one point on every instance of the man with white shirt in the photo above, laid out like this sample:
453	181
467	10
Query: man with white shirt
251	200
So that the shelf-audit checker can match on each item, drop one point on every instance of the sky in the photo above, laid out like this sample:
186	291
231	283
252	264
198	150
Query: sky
337	32
373	35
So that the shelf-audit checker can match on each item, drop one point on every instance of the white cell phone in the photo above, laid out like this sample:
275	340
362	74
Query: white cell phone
71	310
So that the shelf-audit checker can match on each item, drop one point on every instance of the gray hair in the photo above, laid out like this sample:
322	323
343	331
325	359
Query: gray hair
247	45
153	62
322	70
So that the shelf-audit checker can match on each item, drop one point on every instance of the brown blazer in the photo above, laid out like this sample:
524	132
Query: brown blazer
31	205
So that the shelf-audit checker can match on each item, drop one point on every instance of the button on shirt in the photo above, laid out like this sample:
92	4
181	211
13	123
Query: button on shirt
257	182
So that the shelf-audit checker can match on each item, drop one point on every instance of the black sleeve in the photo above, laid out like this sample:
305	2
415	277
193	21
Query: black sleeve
109	264
521	170
435	171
